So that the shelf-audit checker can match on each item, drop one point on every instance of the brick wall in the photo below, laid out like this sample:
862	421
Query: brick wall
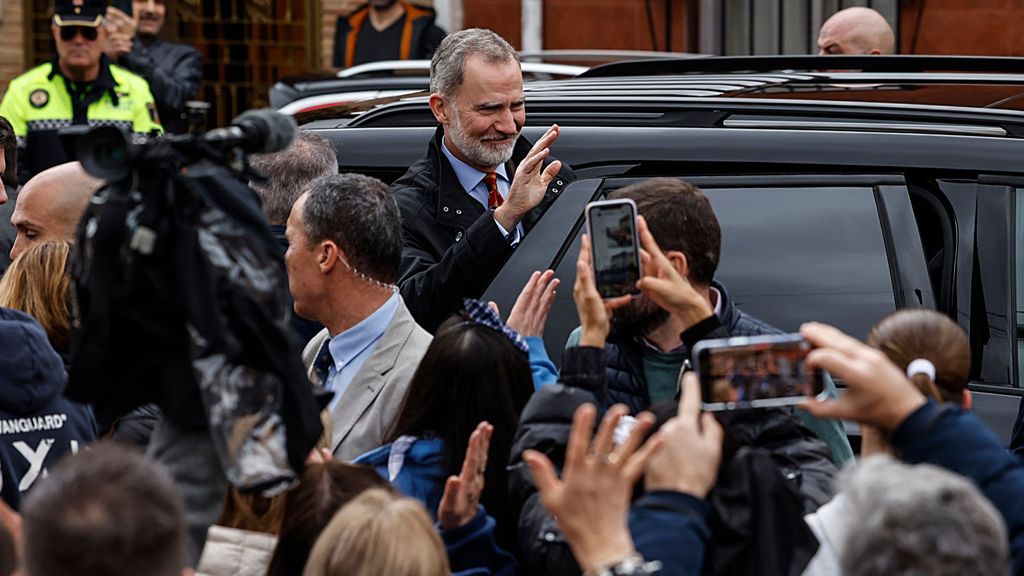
12	45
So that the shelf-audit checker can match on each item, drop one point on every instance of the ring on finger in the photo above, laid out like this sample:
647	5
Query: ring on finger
611	458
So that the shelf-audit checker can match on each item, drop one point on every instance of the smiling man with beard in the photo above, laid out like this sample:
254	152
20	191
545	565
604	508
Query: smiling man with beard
173	71
481	186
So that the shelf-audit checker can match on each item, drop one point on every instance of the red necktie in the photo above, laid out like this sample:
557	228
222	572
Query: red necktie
494	198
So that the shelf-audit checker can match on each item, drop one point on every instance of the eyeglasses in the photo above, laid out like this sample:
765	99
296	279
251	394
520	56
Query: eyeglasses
68	33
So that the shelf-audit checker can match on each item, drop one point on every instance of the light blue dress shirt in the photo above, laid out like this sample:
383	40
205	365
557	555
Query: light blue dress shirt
472	181
351	348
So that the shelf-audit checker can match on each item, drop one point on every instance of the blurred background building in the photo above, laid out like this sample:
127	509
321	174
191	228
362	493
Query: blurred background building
248	44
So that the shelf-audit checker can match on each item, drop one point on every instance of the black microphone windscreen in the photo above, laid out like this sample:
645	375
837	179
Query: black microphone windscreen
273	130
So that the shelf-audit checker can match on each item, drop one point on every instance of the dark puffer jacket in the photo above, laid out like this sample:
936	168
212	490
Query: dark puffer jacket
802	458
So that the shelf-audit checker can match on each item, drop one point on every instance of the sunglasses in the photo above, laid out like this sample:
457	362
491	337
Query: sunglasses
68	33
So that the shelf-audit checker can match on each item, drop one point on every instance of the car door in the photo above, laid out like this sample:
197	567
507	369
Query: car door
988	298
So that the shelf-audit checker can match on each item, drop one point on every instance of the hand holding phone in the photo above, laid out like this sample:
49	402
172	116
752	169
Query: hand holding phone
615	246
756	372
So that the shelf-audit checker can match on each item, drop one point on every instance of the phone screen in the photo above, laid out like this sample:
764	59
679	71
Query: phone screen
757	374
616	255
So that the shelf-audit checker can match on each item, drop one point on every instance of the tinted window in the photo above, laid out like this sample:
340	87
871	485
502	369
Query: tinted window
790	255
795	254
1019	264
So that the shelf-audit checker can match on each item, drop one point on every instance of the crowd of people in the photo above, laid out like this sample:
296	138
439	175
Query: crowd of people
452	444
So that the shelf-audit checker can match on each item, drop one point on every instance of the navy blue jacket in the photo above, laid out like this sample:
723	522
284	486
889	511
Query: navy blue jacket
472	550
38	425
949	437
671	527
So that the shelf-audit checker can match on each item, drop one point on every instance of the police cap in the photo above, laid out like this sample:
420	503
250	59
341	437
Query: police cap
79	12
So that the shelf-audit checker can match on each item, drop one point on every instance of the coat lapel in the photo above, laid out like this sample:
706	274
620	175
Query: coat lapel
371	378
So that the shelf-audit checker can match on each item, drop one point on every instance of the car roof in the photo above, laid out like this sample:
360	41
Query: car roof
968	95
978	82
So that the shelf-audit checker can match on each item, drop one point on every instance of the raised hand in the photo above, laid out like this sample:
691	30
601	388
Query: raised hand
877	392
121	29
594	312
462	493
690	449
591	501
530	313
530	182
665	286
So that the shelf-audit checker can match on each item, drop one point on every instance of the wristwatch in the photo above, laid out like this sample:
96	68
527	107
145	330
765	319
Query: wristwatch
634	565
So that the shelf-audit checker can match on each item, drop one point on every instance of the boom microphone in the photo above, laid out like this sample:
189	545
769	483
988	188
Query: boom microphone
262	131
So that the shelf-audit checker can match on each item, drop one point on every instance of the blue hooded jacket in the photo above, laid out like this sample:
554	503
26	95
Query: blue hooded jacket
417	468
38	425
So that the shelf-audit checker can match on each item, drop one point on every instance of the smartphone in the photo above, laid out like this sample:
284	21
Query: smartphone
615	246
756	372
122	5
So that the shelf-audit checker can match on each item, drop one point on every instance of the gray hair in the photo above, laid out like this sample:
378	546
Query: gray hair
919	520
360	215
290	171
450	58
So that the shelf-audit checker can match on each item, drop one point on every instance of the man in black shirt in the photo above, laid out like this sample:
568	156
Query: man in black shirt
173	71
385	30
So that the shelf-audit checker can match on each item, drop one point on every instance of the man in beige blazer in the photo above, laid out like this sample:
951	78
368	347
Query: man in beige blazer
344	247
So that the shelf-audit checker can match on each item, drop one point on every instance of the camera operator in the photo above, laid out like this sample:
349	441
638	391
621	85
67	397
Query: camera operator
174	71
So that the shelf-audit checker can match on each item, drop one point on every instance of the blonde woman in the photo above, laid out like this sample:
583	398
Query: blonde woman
37	283
379	533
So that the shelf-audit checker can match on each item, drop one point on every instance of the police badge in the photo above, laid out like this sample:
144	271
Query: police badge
39	98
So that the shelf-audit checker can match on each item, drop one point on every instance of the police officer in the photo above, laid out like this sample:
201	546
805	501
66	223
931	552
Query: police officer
79	87
174	71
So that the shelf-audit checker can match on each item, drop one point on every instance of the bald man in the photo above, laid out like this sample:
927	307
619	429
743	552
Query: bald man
856	31
51	204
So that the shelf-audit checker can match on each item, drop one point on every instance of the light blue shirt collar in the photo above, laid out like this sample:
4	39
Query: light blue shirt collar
470	177
351	344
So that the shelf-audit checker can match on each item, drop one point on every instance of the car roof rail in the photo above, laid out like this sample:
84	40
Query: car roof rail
590	55
757	64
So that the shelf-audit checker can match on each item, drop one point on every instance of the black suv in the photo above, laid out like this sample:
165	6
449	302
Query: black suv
846	187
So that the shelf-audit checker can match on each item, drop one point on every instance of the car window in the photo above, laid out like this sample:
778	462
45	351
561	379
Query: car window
1019	265
793	254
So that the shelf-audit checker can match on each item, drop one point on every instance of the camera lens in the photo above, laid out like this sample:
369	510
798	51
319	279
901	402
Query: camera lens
110	156
105	152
